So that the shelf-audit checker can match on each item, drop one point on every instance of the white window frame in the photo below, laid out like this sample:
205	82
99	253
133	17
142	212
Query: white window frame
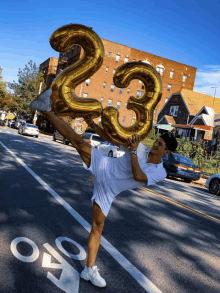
120	90
102	98
112	88
85	95
118	104
106	69
126	105
132	120
172	74
109	54
169	87
109	102
160	68
184	78
174	110
166	100
123	119
128	91
114	71
117	58
104	84
126	59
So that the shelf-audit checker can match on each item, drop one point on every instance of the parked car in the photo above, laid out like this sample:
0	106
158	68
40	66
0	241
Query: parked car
28	129
213	184
110	149
8	122
58	136
92	138
12	124
181	167
2	122
18	123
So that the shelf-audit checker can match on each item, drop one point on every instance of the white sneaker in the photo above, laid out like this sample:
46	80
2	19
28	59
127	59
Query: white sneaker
92	274
42	102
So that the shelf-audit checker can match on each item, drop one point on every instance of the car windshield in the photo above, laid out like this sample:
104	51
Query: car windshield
31	125
86	136
97	138
182	159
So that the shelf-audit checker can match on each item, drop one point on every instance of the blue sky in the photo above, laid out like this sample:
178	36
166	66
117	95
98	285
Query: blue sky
184	31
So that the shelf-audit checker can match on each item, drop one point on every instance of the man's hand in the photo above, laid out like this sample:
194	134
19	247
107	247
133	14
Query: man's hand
134	142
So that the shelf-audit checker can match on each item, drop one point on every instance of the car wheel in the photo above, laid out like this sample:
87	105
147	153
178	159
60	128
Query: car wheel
187	180
54	137
110	154
214	186
36	136
18	131
65	141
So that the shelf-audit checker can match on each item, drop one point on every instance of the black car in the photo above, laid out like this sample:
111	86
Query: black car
181	167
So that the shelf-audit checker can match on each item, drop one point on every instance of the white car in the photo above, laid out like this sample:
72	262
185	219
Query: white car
213	184
92	138
110	149
28	129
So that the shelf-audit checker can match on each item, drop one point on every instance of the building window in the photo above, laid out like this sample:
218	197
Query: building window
123	120
126	105
112	87
118	104
126	59
139	94
134	60
114	71
128	91
184	78
109	54
174	110
166	100
87	82
155	113
132	120
120	90
104	84
109	102
160	69
169	87
140	82
85	95
171	74
79	128
106	69
117	58
55	68
102	98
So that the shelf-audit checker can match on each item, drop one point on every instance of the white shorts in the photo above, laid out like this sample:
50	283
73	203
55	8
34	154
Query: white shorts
102	193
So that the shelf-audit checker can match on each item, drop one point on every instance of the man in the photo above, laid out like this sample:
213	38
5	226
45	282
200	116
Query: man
111	176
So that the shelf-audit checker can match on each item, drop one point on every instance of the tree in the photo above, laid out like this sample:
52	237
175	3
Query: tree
26	89
4	97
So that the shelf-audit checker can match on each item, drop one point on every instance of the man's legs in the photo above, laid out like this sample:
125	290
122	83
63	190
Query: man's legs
82	147
98	219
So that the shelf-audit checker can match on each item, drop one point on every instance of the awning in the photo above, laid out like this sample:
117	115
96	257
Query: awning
10	117
164	126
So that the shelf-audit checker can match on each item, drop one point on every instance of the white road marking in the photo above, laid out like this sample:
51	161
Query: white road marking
21	257
143	281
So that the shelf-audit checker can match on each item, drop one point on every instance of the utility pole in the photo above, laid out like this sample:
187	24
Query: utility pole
214	87
35	113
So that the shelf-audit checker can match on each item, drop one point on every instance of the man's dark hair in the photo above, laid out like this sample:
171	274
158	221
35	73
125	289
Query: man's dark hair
170	141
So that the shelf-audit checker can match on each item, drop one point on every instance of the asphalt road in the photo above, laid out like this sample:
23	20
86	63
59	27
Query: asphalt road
162	238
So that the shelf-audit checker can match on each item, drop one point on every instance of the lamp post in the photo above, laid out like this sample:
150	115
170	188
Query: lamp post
214	87
35	113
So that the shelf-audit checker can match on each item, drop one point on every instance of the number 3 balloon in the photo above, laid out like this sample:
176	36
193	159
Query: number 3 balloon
66	103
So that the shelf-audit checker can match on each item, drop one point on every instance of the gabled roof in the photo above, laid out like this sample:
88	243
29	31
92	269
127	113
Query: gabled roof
207	117
196	101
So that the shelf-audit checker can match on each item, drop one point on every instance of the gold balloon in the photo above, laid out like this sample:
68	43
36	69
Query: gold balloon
143	107
66	103
64	100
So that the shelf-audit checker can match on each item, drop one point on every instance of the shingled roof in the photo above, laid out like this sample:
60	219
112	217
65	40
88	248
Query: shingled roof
195	101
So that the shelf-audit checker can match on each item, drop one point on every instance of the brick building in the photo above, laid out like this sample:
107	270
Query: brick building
174	75
49	69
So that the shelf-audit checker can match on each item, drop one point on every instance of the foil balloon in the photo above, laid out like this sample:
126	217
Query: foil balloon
143	107
63	97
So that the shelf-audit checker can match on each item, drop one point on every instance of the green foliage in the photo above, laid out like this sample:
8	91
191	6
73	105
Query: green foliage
4	97
26	89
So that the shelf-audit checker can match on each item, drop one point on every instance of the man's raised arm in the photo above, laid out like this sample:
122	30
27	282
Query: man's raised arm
100	131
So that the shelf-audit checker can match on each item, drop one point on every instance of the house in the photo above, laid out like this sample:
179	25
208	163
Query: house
193	115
